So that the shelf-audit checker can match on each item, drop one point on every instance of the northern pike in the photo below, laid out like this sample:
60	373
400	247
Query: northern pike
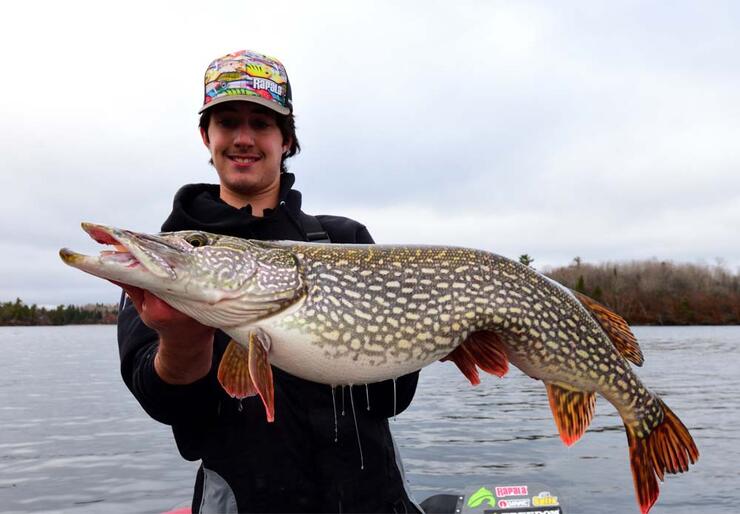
357	314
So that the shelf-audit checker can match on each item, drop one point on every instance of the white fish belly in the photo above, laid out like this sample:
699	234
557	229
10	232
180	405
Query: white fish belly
296	353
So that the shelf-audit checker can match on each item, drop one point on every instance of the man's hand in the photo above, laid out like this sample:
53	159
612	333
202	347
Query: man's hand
185	345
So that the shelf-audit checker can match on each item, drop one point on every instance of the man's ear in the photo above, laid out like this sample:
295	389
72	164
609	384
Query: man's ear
287	144
204	137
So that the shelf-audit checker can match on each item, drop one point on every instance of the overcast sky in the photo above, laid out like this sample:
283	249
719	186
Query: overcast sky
605	130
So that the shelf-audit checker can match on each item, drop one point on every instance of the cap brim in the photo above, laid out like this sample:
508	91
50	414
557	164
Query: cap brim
245	98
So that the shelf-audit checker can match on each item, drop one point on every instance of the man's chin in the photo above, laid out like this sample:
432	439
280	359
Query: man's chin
240	189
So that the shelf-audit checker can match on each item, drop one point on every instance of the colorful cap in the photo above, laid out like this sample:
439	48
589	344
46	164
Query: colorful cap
248	76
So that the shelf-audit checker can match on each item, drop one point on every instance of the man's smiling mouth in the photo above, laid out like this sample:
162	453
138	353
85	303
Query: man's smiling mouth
243	159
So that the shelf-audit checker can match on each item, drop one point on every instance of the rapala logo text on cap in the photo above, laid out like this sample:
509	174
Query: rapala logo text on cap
513	503
512	490
544	499
268	85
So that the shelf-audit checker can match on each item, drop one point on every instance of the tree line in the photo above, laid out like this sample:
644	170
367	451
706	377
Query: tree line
19	313
657	292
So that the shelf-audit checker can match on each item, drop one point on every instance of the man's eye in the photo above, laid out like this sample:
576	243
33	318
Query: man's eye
227	123
259	124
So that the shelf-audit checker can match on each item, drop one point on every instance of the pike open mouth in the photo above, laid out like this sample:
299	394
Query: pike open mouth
144	252
122	257
120	254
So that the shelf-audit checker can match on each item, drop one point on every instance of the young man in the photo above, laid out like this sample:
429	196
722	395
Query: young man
304	461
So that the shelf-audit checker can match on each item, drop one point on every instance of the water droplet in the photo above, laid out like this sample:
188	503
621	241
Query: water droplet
357	431
334	404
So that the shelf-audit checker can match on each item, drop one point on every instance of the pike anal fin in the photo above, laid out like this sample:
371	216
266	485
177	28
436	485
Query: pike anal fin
482	350
572	411
246	372
233	372
615	327
668	448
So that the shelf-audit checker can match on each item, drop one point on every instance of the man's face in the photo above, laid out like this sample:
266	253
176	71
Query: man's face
246	147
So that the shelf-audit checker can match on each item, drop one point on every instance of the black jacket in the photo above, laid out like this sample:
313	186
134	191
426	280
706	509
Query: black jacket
294	464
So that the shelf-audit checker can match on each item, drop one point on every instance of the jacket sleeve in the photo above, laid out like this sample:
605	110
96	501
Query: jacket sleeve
386	398
167	403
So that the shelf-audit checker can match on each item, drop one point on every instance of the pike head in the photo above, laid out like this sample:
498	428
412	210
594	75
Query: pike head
221	281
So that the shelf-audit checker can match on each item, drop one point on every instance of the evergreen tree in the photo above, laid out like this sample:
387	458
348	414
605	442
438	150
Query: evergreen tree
526	259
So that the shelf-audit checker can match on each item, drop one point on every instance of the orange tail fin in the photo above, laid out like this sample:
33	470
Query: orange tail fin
482	349
668	448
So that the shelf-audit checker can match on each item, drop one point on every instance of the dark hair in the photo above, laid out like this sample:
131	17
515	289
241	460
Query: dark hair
286	124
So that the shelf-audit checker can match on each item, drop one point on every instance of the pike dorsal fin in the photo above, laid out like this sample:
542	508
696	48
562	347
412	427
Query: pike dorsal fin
482	349
616	329
572	411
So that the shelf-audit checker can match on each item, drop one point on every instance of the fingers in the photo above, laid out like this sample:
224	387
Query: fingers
155	312
157	309
174	327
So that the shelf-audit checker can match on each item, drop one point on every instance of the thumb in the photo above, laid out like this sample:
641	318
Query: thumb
135	293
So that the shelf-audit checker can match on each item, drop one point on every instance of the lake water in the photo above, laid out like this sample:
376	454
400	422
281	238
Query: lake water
72	439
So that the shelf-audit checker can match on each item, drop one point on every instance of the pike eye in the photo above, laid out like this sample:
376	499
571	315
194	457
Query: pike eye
197	240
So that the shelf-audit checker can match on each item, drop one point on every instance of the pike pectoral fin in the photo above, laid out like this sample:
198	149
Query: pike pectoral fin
261	372
572	411
615	327
667	448
233	372
482	349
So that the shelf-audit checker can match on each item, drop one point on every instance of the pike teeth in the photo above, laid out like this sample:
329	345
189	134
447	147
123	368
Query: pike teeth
124	258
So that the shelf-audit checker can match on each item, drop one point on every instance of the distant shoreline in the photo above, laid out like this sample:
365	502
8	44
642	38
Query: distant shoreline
19	314
55	325
658	293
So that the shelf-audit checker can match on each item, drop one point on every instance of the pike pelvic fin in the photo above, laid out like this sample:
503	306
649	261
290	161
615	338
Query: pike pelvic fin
572	411
261	372
616	329
482	349
233	372
246	372
464	362
669	448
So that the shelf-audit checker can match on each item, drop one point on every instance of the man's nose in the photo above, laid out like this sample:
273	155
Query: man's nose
244	135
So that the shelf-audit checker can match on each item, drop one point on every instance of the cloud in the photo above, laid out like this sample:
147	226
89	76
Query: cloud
600	129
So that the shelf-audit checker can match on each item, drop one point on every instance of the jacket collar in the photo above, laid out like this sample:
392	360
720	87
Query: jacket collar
199	206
